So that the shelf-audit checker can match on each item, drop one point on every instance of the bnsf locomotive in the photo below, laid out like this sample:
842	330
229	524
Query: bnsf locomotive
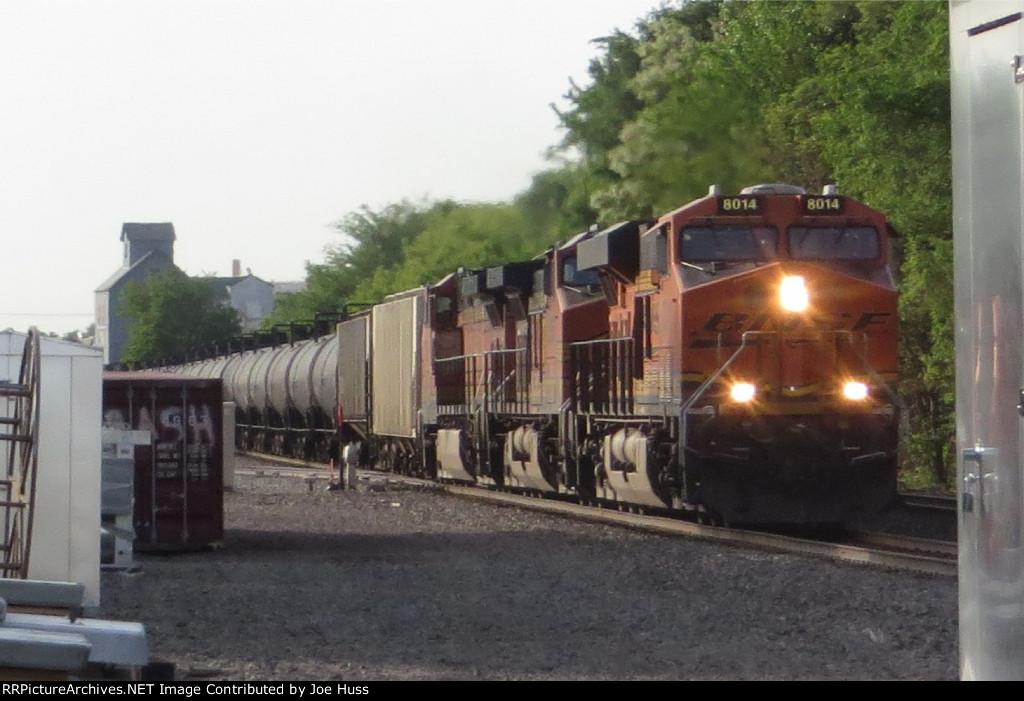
735	358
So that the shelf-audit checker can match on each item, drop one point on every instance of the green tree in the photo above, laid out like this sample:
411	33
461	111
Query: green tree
403	245
78	335
171	313
641	125
557	203
374	241
458	235
600	110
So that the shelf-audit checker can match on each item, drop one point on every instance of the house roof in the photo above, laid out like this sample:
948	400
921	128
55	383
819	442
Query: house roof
126	270
231	281
147	232
12	342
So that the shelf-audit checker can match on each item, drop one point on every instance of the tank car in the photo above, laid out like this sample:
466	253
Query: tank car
285	395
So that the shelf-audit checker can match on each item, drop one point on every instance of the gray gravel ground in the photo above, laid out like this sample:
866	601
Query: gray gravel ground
418	585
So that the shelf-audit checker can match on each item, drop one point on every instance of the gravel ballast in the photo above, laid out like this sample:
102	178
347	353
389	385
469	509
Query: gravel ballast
406	584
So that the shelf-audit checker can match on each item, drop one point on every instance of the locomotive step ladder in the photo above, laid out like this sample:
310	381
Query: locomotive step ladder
19	430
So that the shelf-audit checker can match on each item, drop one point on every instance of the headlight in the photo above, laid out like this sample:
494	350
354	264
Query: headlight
742	392
793	294
855	391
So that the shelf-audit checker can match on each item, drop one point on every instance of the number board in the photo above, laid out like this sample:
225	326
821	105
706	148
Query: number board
823	204
739	204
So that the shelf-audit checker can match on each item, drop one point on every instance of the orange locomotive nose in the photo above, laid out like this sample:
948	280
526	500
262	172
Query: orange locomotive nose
801	365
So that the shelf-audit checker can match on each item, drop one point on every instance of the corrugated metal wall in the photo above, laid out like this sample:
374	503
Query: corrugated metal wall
395	362
352	367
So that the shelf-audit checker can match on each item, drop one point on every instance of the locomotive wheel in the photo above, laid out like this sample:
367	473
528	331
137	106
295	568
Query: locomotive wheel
711	518
716	519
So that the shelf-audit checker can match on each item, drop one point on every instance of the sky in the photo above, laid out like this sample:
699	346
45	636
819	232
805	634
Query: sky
253	126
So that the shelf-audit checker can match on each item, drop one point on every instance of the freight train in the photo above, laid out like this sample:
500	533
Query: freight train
735	359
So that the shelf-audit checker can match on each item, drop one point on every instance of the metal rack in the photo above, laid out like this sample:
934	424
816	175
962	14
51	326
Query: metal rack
19	428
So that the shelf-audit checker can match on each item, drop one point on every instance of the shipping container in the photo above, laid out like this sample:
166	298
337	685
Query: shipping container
179	492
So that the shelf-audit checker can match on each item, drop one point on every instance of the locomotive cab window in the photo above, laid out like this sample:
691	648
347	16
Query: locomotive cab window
728	243
443	308
834	242
573	277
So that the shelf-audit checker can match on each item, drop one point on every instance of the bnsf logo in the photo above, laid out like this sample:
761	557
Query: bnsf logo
723	322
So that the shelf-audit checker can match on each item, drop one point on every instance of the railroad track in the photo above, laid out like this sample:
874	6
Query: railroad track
877	549
942	549
937	502
927	556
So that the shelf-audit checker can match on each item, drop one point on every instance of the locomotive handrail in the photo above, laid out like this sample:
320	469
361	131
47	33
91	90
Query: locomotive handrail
482	354
596	341
497	389
683	434
861	353
872	373
718	373
480	391
604	368
479	395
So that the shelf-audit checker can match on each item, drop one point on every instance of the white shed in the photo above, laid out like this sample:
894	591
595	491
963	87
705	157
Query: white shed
65	540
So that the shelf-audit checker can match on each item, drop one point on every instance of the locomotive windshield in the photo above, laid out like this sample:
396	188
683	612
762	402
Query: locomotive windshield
833	242
728	243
